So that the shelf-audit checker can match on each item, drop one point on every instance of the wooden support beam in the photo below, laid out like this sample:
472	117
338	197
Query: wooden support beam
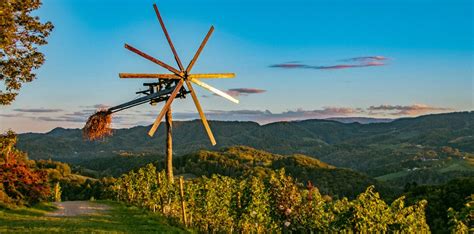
183	199
178	61
165	108
148	76
201	113
144	55
214	90
211	75
169	145
198	52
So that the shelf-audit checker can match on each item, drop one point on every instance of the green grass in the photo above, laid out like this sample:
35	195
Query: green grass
458	165
120	219
392	176
451	165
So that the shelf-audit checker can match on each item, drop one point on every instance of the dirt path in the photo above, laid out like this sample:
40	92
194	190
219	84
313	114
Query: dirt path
75	208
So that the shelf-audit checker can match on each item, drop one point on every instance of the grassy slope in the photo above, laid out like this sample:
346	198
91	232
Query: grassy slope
462	165
120	219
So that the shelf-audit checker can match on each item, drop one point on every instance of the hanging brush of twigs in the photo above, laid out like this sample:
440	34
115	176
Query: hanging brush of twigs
98	126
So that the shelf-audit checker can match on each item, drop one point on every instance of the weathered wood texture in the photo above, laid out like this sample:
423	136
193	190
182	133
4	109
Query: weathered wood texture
169	145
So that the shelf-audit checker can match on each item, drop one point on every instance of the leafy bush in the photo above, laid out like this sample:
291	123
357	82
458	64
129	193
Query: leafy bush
20	183
256	205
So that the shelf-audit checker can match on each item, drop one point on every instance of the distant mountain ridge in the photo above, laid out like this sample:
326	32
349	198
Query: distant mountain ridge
361	120
376	149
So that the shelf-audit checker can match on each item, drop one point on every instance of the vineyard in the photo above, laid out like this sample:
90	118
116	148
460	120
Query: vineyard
276	203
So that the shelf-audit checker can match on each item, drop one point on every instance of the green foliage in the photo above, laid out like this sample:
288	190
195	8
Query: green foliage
451	195
430	149
212	210
26	182
252	205
20	36
274	203
245	161
462	221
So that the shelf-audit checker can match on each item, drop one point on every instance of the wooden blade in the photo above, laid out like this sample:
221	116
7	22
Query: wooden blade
168	67
203	43
212	75
201	113
144	75
214	90
165	108
178	61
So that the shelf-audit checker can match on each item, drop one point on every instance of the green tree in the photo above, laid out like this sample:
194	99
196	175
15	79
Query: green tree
462	221
20	36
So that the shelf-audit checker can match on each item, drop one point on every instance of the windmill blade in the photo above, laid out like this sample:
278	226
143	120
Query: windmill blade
178	61
165	108
214	90
212	75
201	113
170	68
198	52
145	75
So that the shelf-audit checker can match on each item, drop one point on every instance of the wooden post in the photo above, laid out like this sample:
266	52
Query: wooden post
57	192
183	204
161	199
169	145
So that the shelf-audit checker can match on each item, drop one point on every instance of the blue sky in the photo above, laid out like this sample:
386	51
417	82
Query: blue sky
425	66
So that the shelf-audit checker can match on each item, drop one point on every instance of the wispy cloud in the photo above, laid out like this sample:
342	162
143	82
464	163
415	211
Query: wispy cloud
16	115
356	62
261	116
244	91
37	110
365	59
267	116
289	65
411	110
345	66
74	119
240	92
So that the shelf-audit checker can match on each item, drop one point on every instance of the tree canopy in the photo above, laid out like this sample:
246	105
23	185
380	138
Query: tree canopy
21	35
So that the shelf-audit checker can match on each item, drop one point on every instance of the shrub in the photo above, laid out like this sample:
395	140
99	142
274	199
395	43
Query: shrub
273	204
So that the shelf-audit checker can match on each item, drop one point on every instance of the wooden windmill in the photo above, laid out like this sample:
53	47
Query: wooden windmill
170	86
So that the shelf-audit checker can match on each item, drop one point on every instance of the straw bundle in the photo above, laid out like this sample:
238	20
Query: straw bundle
98	126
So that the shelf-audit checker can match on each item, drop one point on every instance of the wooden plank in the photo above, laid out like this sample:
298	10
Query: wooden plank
212	75
214	90
165	108
147	76
164	65
201	113
178	61
183	199
169	145
198	52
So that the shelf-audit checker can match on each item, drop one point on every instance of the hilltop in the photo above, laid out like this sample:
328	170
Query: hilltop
427	149
245	161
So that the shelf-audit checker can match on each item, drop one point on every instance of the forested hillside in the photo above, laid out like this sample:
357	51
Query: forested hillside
429	149
245	161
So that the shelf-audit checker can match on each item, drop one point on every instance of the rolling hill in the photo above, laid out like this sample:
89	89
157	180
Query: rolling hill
245	161
407	146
